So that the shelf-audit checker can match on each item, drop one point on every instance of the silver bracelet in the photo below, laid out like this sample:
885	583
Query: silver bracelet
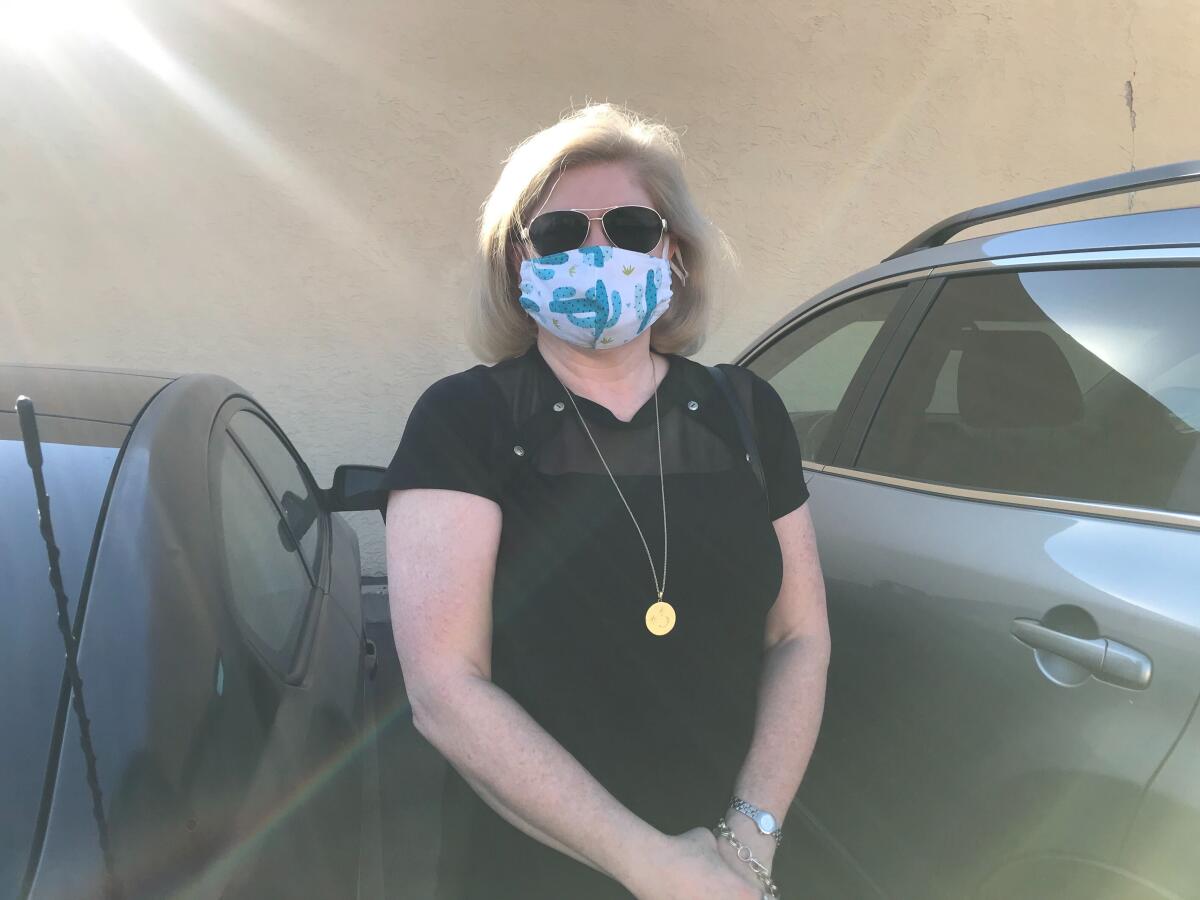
746	855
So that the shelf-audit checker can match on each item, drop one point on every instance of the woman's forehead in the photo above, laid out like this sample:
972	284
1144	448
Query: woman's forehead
597	186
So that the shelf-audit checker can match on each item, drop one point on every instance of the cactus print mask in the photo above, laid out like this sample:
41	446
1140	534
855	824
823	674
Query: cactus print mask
596	297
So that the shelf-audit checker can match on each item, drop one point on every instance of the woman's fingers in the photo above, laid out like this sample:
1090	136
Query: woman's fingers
699	870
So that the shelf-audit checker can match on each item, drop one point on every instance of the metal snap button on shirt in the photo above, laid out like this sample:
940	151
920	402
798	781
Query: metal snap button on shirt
519	450
693	405
559	406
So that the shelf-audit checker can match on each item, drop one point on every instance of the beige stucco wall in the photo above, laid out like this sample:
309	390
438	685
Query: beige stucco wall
285	192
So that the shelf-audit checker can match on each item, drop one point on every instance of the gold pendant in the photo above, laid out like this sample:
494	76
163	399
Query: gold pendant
660	618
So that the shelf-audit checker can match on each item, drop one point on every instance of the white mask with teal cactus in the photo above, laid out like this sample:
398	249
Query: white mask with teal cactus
596	297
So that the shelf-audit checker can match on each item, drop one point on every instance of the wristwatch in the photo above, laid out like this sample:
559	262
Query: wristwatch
767	823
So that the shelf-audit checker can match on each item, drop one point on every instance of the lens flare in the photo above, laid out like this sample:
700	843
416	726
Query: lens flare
38	28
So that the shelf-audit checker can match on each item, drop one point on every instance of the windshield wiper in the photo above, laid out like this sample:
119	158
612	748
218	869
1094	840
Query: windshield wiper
33	454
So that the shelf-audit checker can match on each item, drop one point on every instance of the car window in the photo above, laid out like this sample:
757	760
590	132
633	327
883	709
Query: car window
1081	384
283	474
811	367
268	582
77	463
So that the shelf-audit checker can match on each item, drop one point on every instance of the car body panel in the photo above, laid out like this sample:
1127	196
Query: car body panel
215	770
345	585
114	395
942	740
1163	838
949	764
79	458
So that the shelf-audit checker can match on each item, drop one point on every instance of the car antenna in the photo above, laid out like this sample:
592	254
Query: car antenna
33	454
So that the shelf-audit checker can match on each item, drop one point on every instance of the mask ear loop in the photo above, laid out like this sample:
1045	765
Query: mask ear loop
676	256
676	263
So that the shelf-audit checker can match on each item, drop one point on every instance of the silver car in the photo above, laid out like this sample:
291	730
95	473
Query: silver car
1002	444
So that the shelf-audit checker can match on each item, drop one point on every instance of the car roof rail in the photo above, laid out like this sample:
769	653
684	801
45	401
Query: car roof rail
1138	180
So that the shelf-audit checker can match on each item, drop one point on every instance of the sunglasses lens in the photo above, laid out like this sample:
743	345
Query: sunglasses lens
558	232
633	228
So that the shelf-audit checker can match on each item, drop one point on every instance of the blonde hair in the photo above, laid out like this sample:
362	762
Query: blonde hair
498	328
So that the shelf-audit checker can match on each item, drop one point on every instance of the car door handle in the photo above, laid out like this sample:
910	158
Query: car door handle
1108	660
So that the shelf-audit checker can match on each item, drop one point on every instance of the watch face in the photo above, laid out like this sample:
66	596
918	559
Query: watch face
766	823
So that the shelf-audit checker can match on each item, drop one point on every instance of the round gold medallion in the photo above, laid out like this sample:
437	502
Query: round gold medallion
660	618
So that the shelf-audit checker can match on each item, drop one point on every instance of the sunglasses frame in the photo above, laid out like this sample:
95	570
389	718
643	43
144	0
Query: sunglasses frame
603	210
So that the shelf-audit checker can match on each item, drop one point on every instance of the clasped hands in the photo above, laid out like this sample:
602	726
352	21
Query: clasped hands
762	845
699	863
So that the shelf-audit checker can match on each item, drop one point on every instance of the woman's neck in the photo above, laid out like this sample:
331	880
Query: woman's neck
620	378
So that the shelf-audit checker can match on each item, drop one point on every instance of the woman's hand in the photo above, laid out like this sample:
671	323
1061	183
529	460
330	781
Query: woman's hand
763	847
692	866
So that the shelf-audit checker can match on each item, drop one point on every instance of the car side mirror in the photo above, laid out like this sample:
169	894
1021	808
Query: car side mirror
356	488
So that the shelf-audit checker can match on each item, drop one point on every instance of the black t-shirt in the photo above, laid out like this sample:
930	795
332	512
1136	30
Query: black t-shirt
664	723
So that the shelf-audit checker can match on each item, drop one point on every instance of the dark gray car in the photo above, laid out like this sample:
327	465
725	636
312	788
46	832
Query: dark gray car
1002	438
214	595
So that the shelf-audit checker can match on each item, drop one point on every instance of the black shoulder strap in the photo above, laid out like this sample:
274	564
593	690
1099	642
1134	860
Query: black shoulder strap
743	423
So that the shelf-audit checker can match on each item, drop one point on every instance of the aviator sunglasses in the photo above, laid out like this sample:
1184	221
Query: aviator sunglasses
637	228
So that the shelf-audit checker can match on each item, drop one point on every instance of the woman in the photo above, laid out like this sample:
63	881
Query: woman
601	721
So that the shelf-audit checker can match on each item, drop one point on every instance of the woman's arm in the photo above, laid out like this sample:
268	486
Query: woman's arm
791	695
441	554
517	822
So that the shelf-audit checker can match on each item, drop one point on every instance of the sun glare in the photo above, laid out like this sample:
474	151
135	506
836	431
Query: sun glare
58	37
37	27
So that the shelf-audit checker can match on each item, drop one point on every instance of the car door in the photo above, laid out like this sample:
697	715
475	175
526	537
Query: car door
820	363
301	827
1010	537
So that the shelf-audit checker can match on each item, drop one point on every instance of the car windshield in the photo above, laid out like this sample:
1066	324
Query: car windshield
78	458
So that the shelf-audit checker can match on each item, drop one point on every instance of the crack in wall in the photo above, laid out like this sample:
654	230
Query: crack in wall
1132	114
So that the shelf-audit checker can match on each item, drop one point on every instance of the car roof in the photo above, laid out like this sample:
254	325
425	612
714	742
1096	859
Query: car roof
94	393
1163	228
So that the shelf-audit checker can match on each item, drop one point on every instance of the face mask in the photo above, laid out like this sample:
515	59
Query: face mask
596	297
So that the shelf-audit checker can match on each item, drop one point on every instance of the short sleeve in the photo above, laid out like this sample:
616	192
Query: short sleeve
448	440
780	450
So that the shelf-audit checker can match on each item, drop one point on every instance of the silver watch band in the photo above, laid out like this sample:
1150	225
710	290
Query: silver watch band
764	821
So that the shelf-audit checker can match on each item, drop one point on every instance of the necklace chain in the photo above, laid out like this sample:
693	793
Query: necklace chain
662	481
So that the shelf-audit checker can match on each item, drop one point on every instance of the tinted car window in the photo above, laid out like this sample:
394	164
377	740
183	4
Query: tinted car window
812	366
285	479
1079	384
31	648
268	582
